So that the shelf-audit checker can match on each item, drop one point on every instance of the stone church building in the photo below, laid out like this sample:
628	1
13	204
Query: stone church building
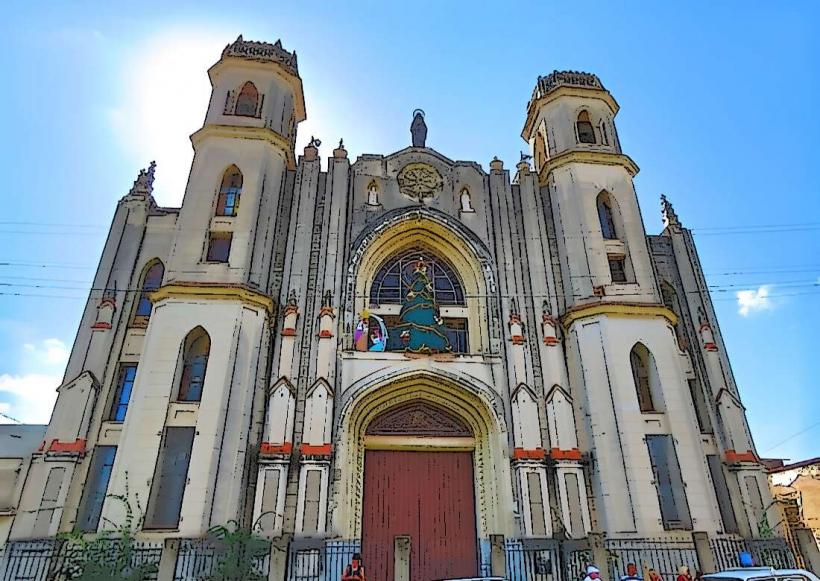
397	345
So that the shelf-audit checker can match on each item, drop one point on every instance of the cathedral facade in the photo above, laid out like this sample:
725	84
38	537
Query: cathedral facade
400	345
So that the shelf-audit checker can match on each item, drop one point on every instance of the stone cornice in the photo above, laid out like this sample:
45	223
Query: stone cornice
618	310
564	91
580	156
240	132
210	291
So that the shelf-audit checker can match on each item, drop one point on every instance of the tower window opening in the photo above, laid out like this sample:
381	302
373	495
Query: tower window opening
641	361
617	270
229	192
195	351
151	281
247	101
605	217
219	246
604	133
586	134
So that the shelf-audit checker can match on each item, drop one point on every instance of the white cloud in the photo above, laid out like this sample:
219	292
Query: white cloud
752	301
30	392
33	397
166	92
50	352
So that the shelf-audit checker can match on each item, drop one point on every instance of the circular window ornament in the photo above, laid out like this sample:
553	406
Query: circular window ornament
419	181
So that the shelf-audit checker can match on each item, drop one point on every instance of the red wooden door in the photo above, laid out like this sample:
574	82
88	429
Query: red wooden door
427	496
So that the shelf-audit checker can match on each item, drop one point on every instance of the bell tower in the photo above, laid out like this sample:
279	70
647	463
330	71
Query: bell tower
207	341
241	155
624	366
571	131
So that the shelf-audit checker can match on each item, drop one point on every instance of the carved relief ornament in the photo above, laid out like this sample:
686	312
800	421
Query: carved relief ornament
419	181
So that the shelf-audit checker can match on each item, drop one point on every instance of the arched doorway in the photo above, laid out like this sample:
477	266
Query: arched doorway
419	483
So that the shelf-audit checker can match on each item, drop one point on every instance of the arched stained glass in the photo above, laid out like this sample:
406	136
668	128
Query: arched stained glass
393	280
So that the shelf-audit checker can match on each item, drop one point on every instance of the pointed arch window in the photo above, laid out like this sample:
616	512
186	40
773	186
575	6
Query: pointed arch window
195	351
396	282
644	375
247	102
393	280
229	192
151	281
605	216
586	134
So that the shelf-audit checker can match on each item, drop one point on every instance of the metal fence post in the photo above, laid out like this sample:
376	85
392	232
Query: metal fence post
498	556
600	556
808	548
706	559
279	558
168	560
401	558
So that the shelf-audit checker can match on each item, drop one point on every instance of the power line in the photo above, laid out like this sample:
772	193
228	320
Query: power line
803	431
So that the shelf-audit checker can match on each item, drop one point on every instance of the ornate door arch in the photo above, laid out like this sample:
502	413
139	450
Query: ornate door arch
418	482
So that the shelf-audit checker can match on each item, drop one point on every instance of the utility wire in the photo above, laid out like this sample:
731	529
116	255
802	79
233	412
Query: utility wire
793	436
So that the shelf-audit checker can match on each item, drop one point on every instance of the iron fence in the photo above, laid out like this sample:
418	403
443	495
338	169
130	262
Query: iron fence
533	560
27	560
765	552
663	555
61	560
199	559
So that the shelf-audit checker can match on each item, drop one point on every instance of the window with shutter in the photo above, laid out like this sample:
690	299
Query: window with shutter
170	477
96	486
668	482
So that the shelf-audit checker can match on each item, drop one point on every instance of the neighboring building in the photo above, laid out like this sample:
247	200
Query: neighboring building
404	344
796	489
17	444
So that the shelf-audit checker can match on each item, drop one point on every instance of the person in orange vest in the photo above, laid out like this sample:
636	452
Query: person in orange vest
354	571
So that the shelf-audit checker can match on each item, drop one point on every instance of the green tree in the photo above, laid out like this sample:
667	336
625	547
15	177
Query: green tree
241	552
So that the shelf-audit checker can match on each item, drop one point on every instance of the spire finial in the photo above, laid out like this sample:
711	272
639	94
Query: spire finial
670	218
144	184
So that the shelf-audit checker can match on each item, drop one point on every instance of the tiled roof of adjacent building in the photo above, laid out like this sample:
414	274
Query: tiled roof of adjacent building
262	51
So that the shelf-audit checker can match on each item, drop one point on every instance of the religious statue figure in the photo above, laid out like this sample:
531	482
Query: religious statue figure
418	129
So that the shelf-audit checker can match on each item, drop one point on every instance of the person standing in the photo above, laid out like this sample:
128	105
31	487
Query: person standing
683	573
355	570
631	573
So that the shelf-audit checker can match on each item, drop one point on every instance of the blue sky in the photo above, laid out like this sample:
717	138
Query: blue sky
719	109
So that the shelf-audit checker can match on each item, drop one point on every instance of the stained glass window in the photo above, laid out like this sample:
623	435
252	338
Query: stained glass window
229	192
393	280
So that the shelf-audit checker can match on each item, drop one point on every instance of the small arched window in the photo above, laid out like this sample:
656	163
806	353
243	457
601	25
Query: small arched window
586	134
247	101
195	350
229	192
605	216
151	281
644	374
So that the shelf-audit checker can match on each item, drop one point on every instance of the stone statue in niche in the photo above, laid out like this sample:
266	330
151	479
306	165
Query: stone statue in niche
418	129
372	194
466	203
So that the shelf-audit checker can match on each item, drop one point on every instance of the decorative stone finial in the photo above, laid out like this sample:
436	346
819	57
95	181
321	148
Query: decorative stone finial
523	165
340	152
670	218
312	149
418	129
144	184
496	164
